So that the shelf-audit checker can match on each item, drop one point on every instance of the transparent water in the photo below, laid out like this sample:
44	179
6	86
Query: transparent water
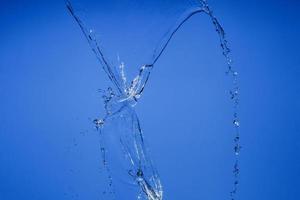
126	158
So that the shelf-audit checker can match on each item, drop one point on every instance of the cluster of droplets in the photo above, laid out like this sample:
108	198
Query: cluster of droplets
99	123
106	167
234	96
107	96
237	147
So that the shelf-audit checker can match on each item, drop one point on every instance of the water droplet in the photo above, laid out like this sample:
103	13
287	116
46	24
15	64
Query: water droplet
139	173
98	123
237	138
237	149
236	123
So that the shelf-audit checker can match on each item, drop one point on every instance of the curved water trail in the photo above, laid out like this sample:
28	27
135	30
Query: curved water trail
120	127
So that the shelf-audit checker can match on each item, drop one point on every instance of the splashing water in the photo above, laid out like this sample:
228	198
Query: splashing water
127	158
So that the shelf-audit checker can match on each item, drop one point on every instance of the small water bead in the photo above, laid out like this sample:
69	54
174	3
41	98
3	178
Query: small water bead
98	123
236	102
237	149
137	96
139	196
236	123
236	139
234	93
233	192
139	173
236	171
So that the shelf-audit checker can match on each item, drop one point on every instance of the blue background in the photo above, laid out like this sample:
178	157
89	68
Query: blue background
48	97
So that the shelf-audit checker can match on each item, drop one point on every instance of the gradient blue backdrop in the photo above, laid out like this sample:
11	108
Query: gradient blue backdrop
48	97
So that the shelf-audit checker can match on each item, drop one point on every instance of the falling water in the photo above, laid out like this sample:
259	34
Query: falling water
120	127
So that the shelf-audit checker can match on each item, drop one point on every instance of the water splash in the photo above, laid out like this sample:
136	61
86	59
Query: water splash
125	156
